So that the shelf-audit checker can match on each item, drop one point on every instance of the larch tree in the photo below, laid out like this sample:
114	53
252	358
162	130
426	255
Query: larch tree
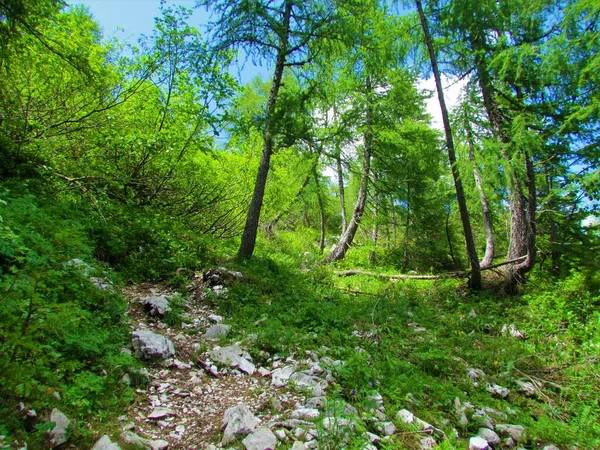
285	32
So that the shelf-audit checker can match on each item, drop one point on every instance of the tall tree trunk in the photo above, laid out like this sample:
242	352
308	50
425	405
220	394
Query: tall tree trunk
251	228
375	232
407	228
339	251
488	257
340	177
449	238
475	280
321	208
522	209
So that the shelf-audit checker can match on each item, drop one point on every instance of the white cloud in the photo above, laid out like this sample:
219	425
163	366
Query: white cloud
452	92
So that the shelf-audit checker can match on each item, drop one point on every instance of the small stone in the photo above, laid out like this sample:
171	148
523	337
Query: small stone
475	374
299	446
372	438
427	443
260	439
104	443
489	435
550	447
305	414
215	318
405	416
157	306
512	331
478	443
515	432
281	435
217	331
160	413
149	345
264	372
526	388
386	428
58	434
280	377
237	421
316	402
246	366
497	391
472	313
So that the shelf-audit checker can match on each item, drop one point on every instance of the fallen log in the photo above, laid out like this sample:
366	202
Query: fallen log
347	273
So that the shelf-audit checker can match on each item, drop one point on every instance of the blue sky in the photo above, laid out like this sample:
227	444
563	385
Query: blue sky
127	20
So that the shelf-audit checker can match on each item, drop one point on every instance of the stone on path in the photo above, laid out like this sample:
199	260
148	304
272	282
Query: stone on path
232	356
58	434
160	413
237	421
150	345
281	376
134	440
157	306
478	443
217	331
260	439
104	443
305	413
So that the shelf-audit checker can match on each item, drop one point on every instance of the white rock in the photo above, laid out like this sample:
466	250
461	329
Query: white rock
478	443
215	318
316	402
130	438
149	345
305	413
373	438
515	432
264	372
512	331
525	387
160	413
490	436
260	439
104	443
427	443
386	428
281	376
58	434
217	331
158	306
237	421
246	366
299	446
497	391
405	416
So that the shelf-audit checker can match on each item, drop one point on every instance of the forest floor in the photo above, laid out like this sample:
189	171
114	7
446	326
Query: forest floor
416	364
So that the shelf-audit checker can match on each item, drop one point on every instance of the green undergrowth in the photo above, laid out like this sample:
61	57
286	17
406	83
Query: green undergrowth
376	327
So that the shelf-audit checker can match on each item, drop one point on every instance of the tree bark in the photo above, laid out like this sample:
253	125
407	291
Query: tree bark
488	257
251	228
321	208
340	177
339	251
475	280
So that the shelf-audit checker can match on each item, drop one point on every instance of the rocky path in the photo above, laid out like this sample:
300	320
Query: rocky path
200	390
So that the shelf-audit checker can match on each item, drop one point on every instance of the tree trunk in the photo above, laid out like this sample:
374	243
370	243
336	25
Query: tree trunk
407	228
449	238
250	229
340	177
488	257
321	209
475	280
522	210
339	251
375	232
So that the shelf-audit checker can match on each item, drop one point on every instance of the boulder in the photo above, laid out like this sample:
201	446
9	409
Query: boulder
305	413
58	434
157	306
104	443
220	276
260	439
526	388
237	421
149	345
